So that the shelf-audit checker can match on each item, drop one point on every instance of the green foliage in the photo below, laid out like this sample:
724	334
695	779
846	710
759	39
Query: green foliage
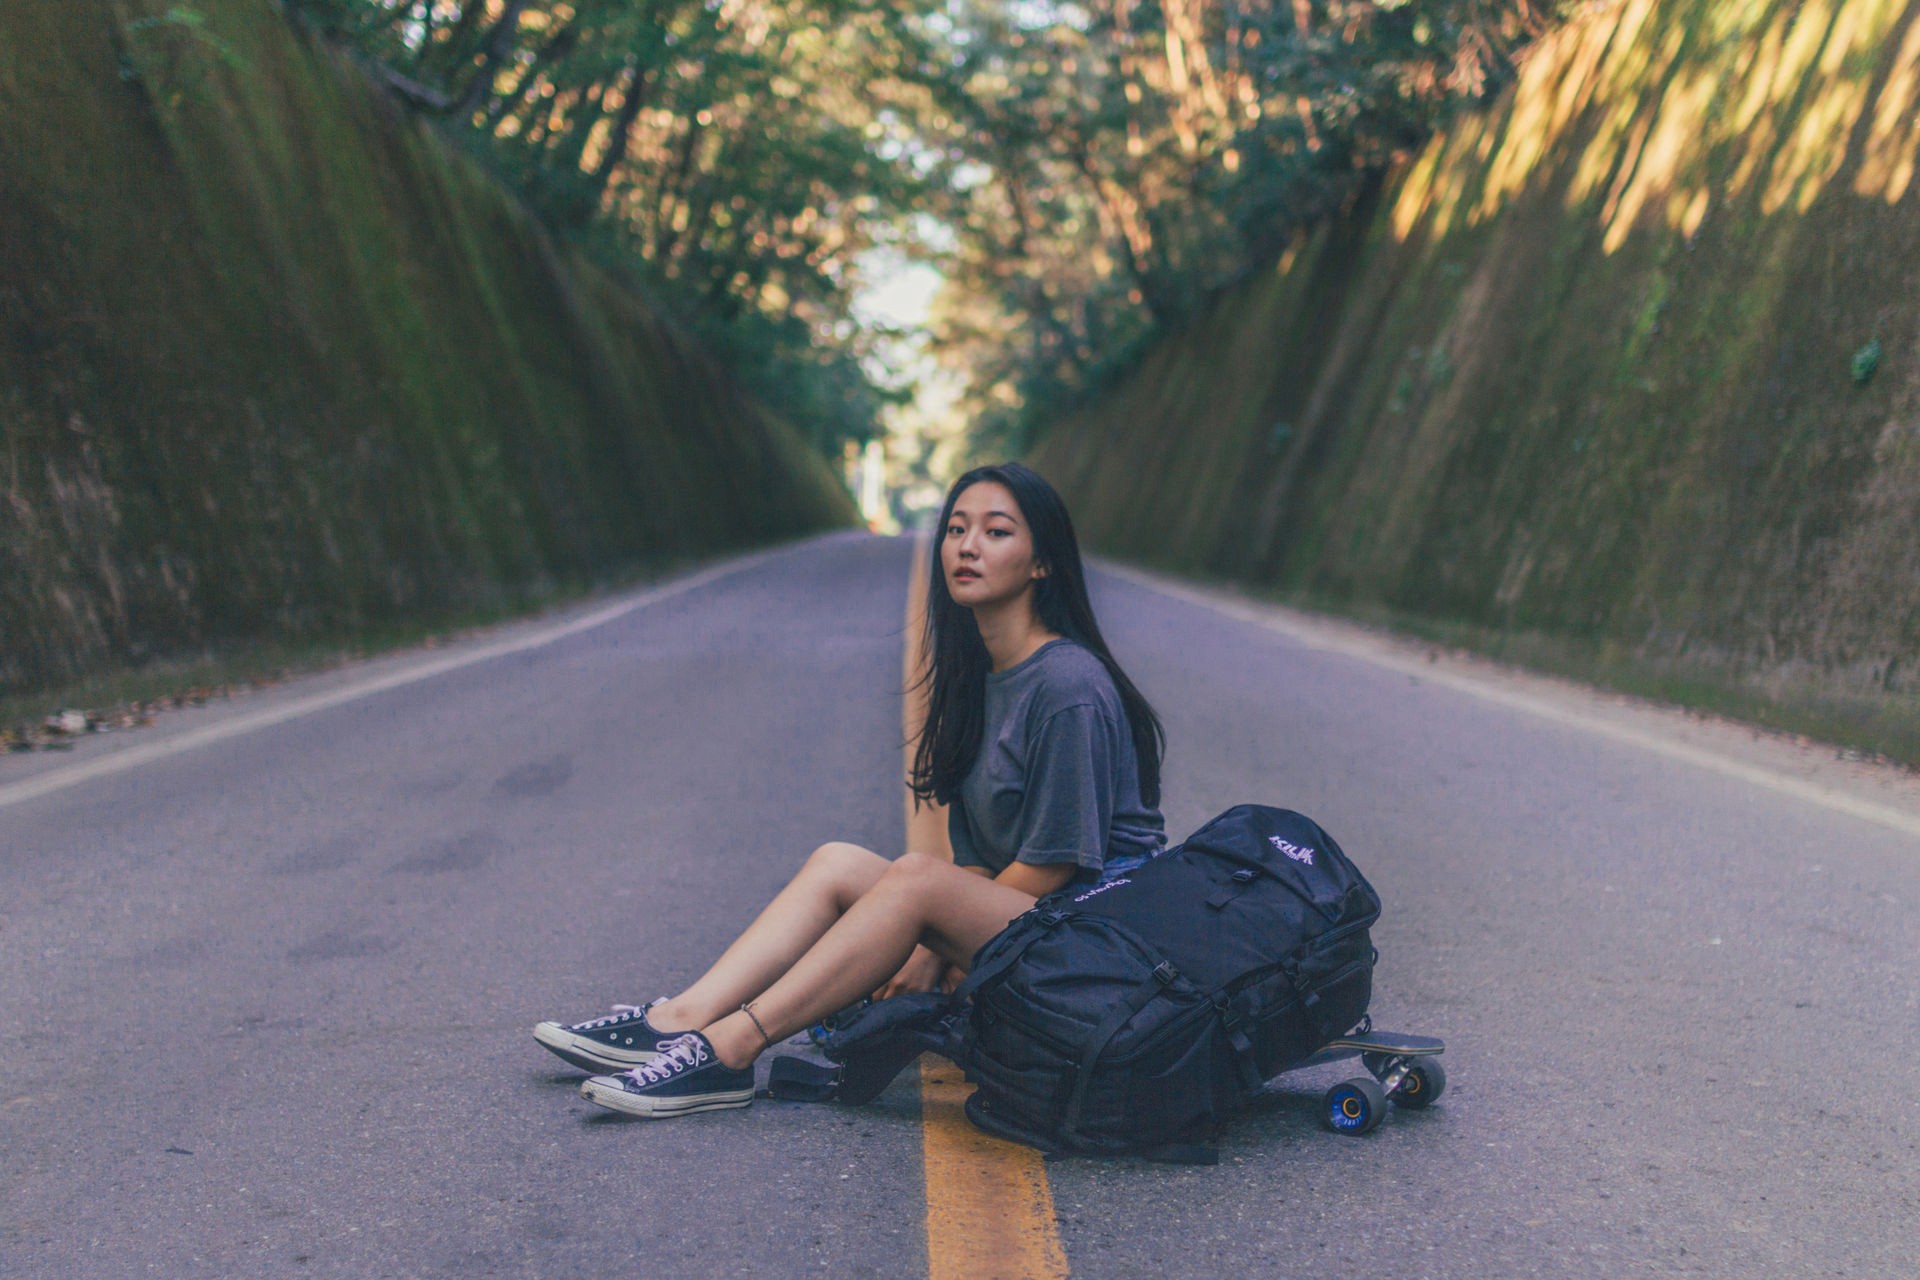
1865	361
1126	162
174	53
1646	324
734	159
189	23
1088	174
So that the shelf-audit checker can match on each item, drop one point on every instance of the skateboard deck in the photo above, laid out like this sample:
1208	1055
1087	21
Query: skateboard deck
1382	1043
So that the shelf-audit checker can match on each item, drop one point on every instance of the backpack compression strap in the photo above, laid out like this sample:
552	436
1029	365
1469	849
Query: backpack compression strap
1245	1058
1162	977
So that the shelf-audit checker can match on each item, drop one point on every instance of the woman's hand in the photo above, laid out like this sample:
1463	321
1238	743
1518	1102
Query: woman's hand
923	971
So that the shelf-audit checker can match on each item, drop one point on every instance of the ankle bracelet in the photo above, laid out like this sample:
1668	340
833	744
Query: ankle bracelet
766	1041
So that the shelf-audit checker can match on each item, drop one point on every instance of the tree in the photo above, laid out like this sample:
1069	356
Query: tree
1088	172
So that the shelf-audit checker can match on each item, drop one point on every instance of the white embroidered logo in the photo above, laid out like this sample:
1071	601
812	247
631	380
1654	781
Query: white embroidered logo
1292	850
1102	888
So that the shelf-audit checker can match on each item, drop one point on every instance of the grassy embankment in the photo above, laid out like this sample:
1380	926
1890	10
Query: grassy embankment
280	373
1620	379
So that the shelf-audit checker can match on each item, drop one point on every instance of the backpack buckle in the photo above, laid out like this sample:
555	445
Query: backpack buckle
1164	974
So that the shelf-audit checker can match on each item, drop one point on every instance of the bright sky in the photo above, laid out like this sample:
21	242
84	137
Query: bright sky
899	294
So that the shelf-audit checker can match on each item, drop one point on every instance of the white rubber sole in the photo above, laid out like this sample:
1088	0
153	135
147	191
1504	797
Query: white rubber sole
589	1055
608	1093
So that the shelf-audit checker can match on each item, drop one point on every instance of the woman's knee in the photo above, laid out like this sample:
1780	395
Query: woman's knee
848	867
838	855
910	871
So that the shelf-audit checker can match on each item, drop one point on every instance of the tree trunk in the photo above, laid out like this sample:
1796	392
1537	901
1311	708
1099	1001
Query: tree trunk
584	113
631	104
420	96
1122	212
492	54
678	187
551	52
457	48
1039	306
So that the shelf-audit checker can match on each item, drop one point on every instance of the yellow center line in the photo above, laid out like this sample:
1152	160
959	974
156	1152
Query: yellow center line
989	1208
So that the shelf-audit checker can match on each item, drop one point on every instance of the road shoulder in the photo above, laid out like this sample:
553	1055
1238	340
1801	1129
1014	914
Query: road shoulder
1820	773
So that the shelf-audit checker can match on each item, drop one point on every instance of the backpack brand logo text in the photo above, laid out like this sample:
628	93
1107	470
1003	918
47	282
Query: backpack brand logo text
1292	850
1102	888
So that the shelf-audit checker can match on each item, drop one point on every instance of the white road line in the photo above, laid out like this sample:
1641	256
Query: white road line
1331	637
146	753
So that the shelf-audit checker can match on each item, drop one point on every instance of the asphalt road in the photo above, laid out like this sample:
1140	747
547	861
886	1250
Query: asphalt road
267	1000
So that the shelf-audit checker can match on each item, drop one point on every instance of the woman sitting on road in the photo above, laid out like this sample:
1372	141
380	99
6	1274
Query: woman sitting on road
1048	757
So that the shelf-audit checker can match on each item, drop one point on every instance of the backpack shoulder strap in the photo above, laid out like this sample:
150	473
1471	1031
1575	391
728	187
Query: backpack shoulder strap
1010	955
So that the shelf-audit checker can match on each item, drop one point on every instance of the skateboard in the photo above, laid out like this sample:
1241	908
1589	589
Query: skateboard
1401	1069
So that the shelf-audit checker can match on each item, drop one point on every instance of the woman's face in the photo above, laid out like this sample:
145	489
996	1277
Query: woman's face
987	549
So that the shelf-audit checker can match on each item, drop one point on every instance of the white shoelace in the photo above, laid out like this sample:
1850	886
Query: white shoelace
684	1054
619	1011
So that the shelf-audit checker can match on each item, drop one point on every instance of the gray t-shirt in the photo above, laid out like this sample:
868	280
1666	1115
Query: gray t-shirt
1056	779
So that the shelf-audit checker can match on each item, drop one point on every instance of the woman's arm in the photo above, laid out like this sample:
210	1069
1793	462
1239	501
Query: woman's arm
1037	880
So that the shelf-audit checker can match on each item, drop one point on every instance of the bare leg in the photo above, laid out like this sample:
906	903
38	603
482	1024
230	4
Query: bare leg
918	899
833	879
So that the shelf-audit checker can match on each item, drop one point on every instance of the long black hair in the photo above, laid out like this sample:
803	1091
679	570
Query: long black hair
956	674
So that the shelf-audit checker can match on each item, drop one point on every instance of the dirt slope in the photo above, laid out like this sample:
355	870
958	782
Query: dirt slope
274	361
1620	376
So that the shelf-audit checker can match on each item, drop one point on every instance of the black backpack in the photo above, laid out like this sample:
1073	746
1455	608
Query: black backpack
1136	1016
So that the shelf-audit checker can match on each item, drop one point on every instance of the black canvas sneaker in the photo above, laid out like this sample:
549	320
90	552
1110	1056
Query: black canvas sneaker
615	1042
685	1078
